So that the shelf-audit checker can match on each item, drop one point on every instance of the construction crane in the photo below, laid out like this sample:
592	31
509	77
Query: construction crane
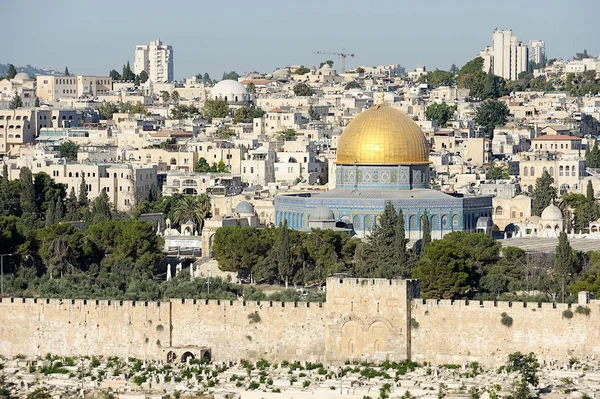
343	54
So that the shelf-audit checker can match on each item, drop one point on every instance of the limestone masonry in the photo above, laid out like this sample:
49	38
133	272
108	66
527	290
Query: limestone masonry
362	319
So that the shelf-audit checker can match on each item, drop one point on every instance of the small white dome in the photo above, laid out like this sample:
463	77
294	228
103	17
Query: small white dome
552	212
229	89
322	213
21	76
336	131
244	207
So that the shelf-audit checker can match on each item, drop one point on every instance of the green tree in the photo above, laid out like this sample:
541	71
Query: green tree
440	112
221	167
400	242
68	150
352	85
360	70
471	76
67	72
12	72
15	102
287	135
37	102
127	74
165	96
64	249
302	89
454	69
175	96
39	393
564	260
493	87
426	231
82	199
490	114
589	191
581	56
247	114
232	75
438	78
526	365
592	156
194	208
136	81
116	76
215	109
100	211
301	71
385	245
498	171
106	110
143	77
284	262
202	166
27	191
251	88
328	62
72	206
543	193
182	111
451	267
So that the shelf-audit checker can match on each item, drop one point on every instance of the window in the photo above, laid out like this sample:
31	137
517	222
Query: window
532	171
561	170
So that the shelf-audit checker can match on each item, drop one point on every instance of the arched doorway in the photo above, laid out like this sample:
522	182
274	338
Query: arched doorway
187	356
171	357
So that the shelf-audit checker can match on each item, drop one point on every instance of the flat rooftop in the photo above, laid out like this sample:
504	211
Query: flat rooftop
548	244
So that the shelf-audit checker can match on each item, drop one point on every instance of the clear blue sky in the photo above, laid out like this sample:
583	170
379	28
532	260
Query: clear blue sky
92	37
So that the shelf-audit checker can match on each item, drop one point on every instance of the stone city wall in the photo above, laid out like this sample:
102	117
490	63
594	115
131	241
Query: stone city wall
457	332
362	319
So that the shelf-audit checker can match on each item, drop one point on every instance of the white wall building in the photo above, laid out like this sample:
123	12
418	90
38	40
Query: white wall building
537	51
156	59
507	56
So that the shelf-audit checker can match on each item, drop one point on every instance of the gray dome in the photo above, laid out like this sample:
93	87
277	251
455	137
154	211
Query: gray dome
244	207
322	212
552	212
336	131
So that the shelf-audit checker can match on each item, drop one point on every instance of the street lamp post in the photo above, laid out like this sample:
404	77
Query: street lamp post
2	272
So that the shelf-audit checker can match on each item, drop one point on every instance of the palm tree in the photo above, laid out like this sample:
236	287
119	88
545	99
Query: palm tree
194	208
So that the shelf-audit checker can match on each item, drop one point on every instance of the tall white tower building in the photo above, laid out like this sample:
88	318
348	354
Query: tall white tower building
507	56
156	59
537	51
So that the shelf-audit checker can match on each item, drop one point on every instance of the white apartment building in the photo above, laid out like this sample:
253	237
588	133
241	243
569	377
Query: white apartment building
537	50
507	57
52	88
156	59
124	184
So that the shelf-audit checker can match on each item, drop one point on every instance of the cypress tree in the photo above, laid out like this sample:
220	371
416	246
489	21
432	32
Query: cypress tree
27	191
51	214
400	246
543	194
426	231
72	205
589	191
564	260
383	243
100	209
83	192
59	213
284	261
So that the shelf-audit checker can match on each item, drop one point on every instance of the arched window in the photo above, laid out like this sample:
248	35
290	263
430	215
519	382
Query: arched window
551	171
573	171
173	161
357	222
532	171
526	171
561	170
368	223
499	211
545	169
566	171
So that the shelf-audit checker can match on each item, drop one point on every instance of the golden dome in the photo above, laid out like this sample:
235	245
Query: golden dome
382	135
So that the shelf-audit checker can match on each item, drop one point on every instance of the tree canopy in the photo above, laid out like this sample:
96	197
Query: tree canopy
491	114
543	193
215	109
302	89
440	112
68	150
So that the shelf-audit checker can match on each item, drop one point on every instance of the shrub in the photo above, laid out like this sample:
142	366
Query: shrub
139	379
276	390
95	362
414	324
584	310
506	320
567	314
305	384
253	385
254	317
